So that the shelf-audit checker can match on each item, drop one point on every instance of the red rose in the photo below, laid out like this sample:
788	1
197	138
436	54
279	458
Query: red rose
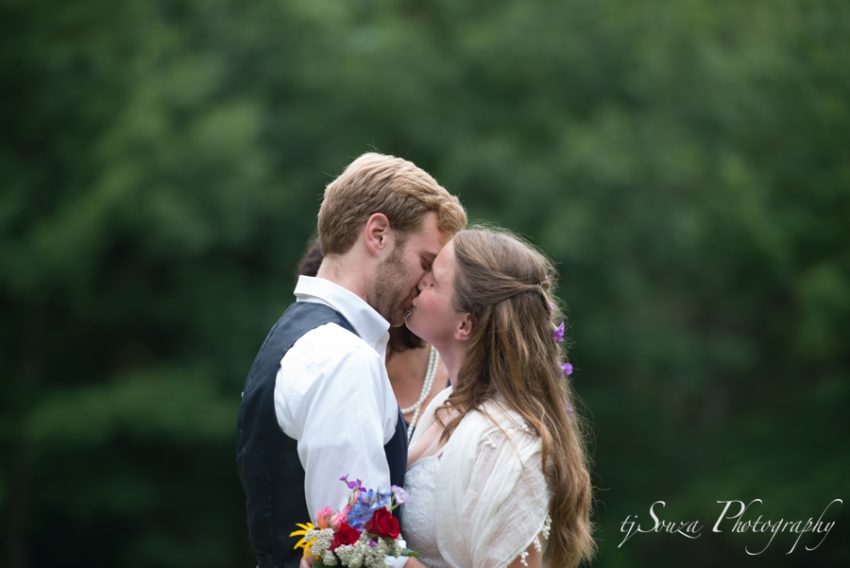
345	534
383	523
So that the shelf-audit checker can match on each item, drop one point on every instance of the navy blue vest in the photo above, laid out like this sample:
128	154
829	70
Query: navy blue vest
267	459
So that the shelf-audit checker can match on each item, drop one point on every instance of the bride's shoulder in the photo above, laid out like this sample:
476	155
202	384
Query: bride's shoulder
494	424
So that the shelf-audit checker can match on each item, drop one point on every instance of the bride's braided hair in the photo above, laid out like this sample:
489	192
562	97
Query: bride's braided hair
506	285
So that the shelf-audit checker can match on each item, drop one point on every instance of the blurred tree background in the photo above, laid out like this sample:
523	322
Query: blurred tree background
684	163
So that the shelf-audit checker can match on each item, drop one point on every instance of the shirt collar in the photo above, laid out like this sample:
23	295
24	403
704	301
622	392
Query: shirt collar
368	323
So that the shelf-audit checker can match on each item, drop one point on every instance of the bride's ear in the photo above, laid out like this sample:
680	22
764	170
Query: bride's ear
463	330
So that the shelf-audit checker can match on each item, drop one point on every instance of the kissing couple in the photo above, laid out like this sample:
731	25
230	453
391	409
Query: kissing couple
496	472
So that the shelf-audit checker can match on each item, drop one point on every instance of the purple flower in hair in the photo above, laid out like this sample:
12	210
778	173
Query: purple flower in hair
567	369
558	333
570	410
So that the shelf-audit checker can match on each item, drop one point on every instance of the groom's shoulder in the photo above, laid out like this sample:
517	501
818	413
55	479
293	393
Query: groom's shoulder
331	342
325	355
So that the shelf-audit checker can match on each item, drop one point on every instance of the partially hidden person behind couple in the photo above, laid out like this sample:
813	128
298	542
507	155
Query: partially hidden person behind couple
497	469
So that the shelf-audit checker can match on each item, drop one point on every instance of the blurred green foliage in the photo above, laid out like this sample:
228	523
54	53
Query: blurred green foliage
684	163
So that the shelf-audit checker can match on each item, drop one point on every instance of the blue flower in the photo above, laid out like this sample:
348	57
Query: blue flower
385	500
366	502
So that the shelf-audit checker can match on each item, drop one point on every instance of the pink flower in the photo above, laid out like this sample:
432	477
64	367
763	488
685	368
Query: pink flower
340	517
324	518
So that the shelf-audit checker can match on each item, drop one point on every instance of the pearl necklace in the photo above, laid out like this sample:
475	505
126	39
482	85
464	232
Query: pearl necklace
416	407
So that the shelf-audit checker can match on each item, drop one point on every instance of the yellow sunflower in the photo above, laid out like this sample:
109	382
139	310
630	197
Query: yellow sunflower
307	545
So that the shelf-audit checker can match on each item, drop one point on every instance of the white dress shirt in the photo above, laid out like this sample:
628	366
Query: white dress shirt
333	396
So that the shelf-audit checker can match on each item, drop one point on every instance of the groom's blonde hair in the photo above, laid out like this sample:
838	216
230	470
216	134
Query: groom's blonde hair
378	183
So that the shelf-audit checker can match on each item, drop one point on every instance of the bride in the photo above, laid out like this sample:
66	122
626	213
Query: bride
497	474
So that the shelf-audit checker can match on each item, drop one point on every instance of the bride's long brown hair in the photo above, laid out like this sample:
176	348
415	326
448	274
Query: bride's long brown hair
506	285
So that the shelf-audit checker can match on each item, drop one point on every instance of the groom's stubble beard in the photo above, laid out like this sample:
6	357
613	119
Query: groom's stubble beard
390	292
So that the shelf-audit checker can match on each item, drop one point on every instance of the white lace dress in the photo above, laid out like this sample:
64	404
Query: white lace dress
418	514
481	501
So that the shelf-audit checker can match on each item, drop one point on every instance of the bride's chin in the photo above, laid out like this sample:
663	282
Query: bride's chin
410	319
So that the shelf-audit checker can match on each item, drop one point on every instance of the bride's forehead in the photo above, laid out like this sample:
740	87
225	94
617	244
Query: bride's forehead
446	259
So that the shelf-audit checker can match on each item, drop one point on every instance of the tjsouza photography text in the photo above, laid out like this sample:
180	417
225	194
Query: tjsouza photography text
736	516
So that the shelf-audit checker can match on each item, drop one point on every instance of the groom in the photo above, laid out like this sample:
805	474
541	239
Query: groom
317	403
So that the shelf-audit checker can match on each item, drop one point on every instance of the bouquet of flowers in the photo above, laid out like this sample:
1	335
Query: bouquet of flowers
360	535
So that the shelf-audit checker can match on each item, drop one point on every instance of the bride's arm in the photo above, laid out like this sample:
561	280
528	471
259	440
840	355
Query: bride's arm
496	496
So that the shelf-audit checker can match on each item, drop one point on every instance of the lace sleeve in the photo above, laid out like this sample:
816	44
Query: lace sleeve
498	488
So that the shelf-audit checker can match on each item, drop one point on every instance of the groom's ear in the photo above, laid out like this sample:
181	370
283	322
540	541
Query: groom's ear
377	234
463	331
